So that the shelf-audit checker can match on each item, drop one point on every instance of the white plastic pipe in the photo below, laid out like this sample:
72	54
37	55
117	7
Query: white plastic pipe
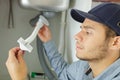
25	44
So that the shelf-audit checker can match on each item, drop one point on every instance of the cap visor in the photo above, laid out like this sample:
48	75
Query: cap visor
80	16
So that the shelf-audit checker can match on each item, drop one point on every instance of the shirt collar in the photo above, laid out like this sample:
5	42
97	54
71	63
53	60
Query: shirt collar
112	71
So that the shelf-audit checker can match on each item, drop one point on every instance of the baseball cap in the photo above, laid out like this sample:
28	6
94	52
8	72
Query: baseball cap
106	13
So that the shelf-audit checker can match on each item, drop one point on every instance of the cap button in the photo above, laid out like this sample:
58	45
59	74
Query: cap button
118	24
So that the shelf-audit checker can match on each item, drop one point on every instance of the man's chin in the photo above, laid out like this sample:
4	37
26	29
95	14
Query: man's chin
83	58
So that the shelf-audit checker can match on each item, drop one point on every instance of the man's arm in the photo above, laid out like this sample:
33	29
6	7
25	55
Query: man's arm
55	58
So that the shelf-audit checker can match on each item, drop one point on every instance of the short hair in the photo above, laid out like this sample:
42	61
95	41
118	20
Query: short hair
109	32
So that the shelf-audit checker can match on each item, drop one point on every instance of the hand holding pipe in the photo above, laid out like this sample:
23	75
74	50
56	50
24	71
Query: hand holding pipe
25	44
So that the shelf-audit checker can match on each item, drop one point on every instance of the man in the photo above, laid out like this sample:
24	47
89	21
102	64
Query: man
97	48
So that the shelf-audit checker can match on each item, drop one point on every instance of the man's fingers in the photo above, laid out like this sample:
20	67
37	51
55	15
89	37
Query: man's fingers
12	55
13	51
20	56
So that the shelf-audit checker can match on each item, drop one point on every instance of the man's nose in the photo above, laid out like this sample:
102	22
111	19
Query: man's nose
78	36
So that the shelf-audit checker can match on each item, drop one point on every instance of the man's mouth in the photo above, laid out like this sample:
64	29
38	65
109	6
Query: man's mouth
79	47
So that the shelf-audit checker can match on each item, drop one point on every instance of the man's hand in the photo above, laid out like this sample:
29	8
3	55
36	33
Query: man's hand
16	65
44	34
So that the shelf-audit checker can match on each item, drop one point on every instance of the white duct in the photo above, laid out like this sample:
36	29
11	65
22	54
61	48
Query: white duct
61	47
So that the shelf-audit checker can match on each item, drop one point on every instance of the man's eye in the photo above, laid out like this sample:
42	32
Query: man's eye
88	32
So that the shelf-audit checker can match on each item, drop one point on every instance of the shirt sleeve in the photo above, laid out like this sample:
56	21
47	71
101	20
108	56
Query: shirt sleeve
61	67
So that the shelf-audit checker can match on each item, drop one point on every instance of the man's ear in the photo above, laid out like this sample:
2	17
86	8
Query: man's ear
116	42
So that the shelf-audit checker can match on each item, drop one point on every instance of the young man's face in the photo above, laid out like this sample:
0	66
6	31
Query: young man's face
91	41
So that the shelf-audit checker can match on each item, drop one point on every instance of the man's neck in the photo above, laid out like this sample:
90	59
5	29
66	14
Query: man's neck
99	66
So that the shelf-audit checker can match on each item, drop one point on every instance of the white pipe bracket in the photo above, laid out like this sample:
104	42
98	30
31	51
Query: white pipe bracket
25	44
